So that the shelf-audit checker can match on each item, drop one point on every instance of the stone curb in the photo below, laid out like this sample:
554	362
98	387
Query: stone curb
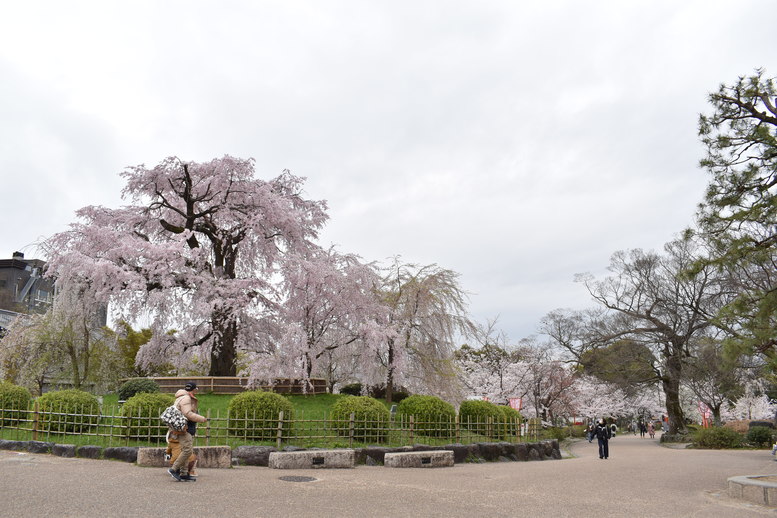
260	455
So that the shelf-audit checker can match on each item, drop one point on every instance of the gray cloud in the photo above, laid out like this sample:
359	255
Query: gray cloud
516	144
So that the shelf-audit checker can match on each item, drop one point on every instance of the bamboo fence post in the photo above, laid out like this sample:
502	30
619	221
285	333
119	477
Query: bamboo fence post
35	421
207	428
280	430
350	430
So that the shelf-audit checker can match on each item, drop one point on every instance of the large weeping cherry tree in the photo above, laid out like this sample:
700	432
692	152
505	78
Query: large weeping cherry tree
197	250
330	303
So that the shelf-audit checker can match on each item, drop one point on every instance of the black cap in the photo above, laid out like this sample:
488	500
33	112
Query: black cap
190	386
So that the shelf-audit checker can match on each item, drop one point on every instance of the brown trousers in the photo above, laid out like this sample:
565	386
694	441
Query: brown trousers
182	462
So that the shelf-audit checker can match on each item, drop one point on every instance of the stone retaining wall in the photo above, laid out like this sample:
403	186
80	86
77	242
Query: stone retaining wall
374	455
260	455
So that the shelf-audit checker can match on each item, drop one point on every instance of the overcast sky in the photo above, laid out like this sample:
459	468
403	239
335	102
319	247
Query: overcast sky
517	143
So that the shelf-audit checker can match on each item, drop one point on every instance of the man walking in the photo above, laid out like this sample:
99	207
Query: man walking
603	435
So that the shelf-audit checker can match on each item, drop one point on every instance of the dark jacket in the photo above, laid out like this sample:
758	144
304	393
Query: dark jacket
602	432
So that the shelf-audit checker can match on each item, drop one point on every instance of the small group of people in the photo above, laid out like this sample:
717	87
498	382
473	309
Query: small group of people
180	444
648	428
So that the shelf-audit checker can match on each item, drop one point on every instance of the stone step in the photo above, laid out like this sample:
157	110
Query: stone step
312	459
419	459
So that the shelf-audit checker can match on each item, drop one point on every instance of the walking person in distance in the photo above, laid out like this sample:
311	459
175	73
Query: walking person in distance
602	433
186	401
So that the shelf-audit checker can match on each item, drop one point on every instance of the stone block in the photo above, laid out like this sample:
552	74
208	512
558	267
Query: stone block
13	445
207	457
734	489
39	447
312	459
771	496
64	450
252	455
754	493
419	459
89	452
123	453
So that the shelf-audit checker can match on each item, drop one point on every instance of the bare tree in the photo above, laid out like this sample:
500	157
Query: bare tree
652	299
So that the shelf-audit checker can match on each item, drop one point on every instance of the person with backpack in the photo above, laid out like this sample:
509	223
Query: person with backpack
602	433
186	402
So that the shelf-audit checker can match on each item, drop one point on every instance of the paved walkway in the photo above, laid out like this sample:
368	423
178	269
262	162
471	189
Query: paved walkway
640	479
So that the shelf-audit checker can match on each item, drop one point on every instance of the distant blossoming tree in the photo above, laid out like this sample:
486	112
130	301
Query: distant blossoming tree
427	313
330	301
197	250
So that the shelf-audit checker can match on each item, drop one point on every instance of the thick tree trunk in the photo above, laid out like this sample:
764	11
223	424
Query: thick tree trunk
671	385
223	354
390	374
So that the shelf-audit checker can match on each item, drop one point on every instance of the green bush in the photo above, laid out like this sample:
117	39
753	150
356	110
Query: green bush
137	386
556	432
482	417
353	389
371	418
759	436
68	411
141	413
254	415
512	418
14	401
432	416
717	438
577	431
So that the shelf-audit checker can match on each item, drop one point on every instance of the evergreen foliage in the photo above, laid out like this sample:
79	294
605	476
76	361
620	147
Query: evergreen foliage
68	411
717	438
482	417
432	416
352	389
14	400
254	414
142	411
371	418
137	386
759	436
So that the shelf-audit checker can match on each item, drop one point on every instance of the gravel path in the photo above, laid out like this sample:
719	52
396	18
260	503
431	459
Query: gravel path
640	479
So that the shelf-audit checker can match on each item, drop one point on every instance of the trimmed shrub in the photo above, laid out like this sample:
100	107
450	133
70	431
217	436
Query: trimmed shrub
68	411
371	418
555	432
254	415
137	386
432	416
717	438
511	417
141	413
14	402
481	417
765	424
577	431
353	389
759	436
